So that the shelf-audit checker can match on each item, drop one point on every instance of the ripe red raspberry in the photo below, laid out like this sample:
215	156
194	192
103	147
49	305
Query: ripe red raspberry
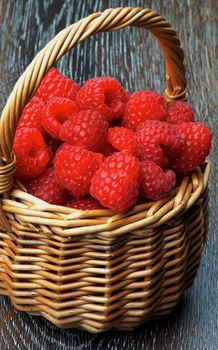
122	139
87	129
156	183
44	187
55	84
104	95
74	168
56	112
116	183
32	154
88	203
142	106
179	112
100	158
154	138
196	146
127	95
32	114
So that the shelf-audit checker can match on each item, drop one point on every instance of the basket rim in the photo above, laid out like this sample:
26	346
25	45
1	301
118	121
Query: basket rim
65	221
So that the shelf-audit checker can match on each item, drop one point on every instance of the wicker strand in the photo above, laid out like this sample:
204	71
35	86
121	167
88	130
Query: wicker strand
6	176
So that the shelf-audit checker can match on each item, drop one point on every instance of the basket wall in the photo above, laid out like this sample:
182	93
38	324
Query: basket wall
95	283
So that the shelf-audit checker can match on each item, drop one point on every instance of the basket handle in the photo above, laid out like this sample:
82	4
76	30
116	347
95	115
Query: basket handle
109	20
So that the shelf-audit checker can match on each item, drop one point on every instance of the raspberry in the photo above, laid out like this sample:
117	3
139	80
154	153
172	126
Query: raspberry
122	139
144	105
127	95
154	138
100	158
44	187
88	203
196	146
74	167
32	114
116	183
32	154
87	129
55	84
104	95
179	112
56	111
156	183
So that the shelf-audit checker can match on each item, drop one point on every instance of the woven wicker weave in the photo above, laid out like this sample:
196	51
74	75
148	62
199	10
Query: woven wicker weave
98	270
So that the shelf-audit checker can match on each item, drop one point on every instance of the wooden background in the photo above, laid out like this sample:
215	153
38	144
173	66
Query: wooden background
133	57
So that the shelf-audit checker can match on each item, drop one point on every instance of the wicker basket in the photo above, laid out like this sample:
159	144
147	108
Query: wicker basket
97	270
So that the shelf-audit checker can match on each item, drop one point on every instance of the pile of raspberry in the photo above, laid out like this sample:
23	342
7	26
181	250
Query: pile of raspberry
97	146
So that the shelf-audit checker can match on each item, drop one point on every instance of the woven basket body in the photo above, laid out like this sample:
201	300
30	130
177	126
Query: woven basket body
98	270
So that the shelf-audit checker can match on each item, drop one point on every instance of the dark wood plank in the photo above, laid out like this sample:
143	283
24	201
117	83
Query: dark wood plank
133	57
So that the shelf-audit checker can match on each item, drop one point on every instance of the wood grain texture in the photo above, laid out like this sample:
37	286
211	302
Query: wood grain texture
133	57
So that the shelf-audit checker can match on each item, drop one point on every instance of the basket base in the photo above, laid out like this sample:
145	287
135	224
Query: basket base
136	322
164	308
